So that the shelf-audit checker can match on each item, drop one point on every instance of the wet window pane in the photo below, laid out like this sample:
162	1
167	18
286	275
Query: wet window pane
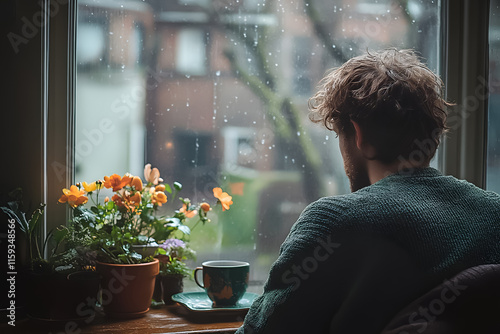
214	93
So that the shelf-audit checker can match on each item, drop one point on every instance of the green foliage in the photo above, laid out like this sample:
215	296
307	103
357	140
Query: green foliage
66	261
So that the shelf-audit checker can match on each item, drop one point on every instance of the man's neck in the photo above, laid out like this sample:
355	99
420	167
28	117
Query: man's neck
378	170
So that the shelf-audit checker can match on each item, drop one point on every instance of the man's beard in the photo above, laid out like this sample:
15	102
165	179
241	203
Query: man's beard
356	172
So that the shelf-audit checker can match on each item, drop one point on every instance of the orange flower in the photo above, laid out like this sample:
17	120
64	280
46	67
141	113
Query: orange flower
188	213
159	198
223	197
133	201
205	207
73	196
136	183
160	187
117	199
116	182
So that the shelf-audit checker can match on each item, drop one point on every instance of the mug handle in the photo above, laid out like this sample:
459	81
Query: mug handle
196	278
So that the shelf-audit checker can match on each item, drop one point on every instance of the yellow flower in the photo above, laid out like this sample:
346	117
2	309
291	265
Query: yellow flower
186	212
73	196
223	197
89	187
152	175
159	198
116	182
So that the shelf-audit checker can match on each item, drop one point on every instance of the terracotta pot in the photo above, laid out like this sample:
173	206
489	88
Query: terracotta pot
127	289
58	297
171	284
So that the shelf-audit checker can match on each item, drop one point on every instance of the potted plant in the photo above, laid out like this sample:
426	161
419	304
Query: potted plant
126	221
115	225
63	286
173	254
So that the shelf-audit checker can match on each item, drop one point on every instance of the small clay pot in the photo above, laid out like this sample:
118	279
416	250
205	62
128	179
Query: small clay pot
171	284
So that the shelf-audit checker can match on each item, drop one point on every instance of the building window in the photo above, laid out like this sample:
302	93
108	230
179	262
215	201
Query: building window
191	57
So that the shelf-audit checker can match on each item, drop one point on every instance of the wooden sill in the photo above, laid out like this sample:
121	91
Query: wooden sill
166	319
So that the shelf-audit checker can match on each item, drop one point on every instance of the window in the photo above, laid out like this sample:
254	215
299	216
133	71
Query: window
216	93
190	52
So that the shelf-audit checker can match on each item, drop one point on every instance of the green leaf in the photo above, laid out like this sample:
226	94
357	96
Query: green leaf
35	217
60	233
168	188
185	229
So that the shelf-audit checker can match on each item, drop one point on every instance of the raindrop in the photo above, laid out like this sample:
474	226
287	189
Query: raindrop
217	73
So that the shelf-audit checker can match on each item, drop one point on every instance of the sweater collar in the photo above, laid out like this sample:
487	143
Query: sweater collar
412	173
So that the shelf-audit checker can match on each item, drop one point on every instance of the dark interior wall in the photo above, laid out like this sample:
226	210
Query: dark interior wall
21	134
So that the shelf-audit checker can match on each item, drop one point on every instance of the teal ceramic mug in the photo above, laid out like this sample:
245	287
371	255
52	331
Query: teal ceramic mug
225	281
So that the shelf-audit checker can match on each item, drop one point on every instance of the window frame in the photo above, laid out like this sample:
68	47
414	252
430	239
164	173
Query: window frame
464	62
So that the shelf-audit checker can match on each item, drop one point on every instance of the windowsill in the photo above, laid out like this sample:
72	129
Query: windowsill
165	319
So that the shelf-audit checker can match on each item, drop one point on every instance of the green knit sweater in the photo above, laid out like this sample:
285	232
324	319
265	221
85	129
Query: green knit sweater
351	262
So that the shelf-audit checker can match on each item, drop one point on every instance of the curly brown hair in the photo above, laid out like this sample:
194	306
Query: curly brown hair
396	100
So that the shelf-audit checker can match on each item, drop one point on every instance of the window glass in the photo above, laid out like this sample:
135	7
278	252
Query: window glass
493	140
214	93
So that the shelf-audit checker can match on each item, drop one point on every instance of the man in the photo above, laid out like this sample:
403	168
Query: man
352	262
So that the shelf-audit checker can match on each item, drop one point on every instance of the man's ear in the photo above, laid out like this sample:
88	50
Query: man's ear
358	134
366	148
